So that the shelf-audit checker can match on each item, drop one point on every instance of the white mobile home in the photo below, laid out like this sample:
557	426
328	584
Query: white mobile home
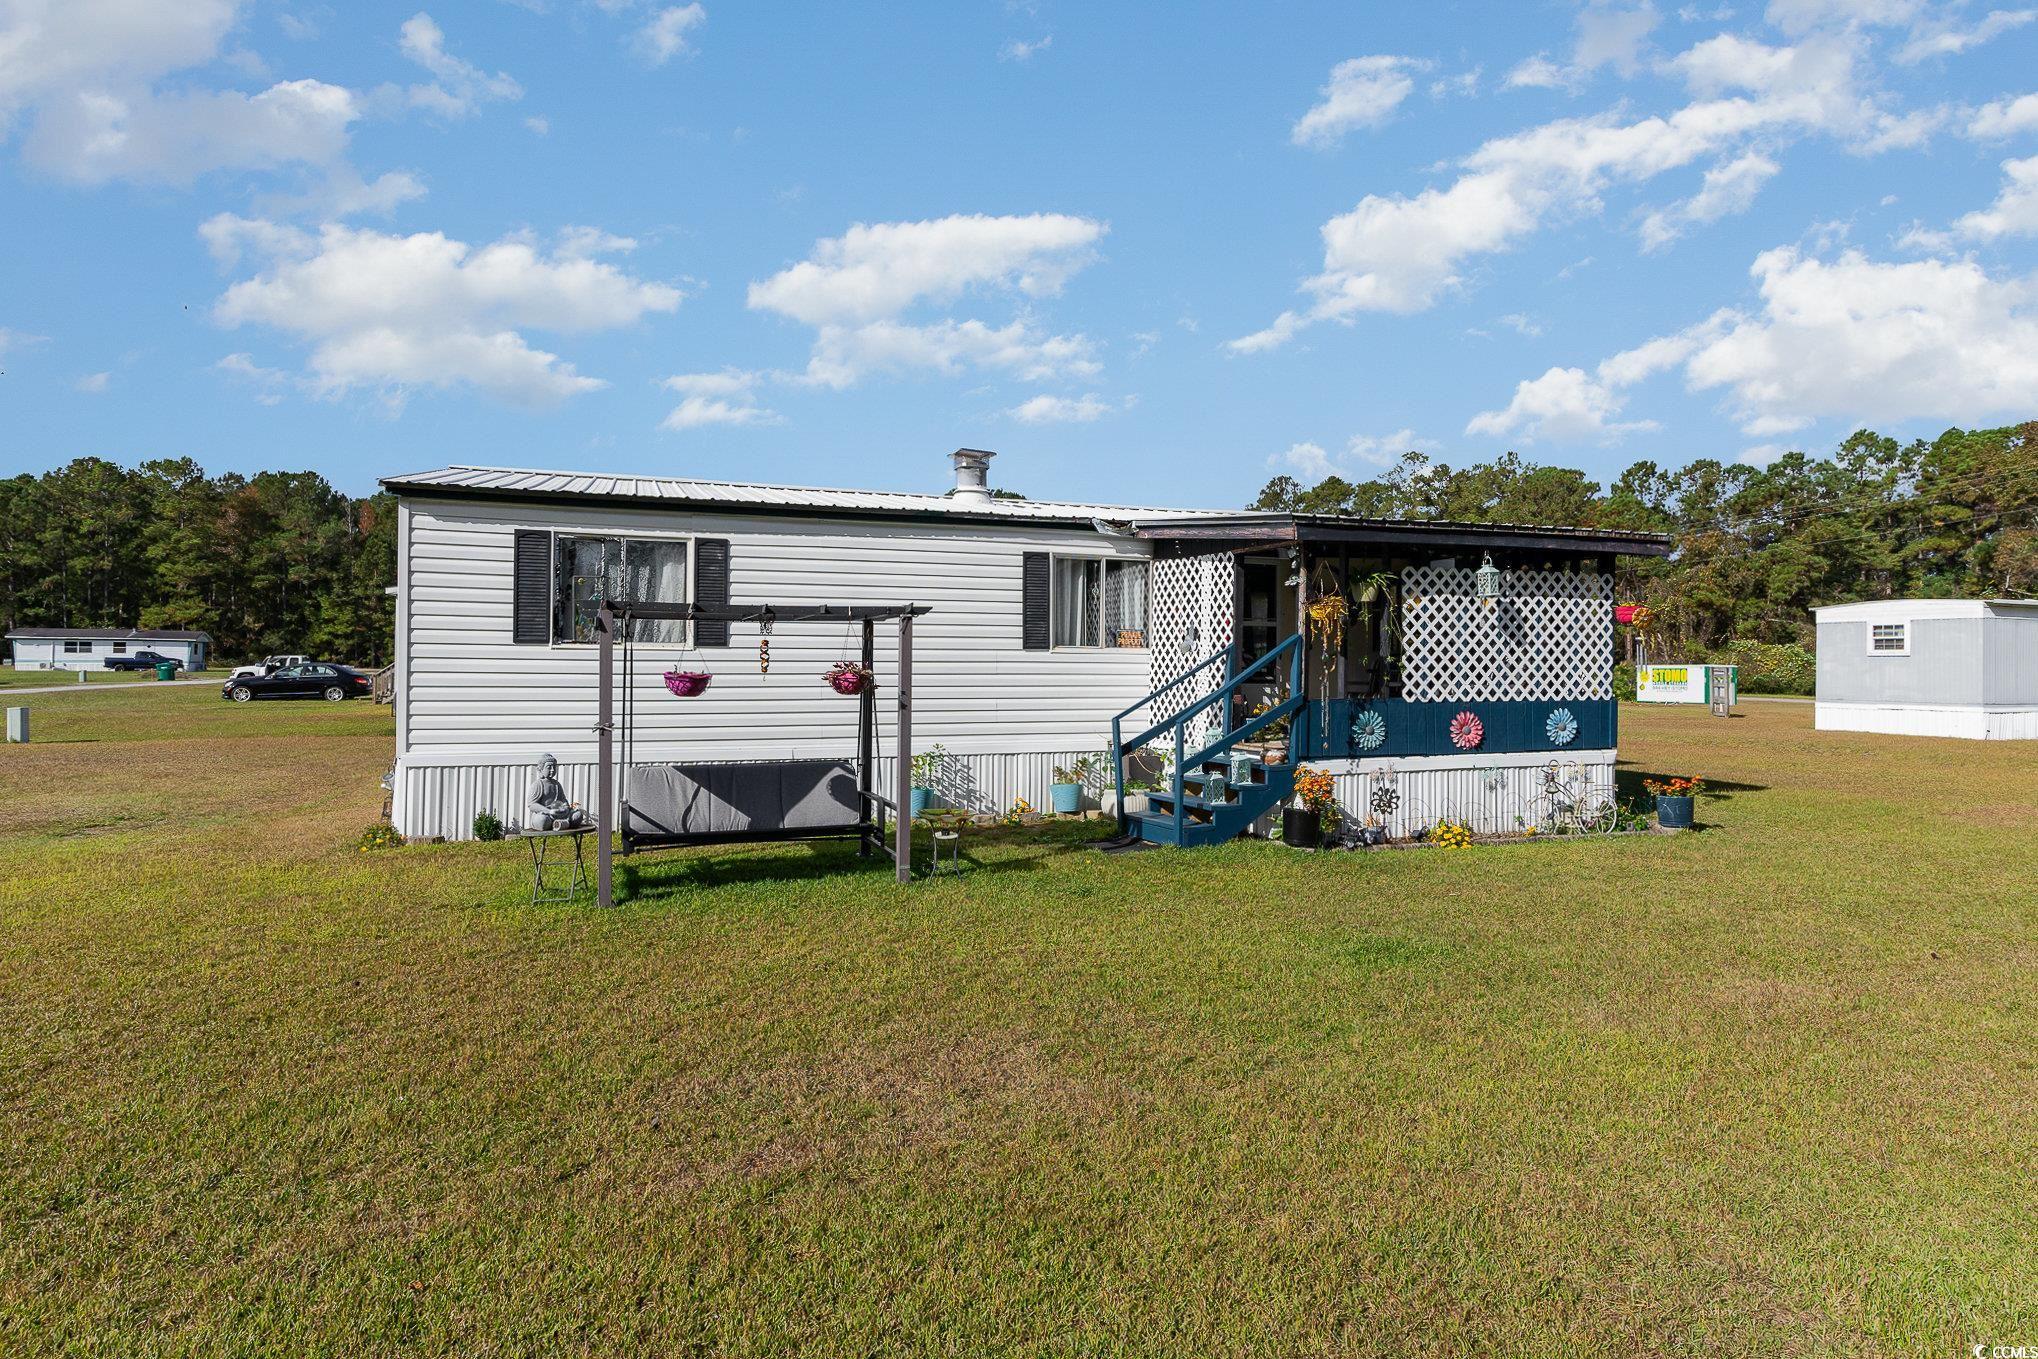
1930	667
1047	621
89	648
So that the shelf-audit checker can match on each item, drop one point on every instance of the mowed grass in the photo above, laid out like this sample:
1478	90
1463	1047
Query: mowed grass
1766	1089
10	678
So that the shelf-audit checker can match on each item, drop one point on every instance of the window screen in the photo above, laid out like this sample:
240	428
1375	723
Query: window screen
1889	636
1099	603
589	570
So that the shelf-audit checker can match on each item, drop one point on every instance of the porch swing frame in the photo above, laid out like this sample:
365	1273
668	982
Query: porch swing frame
612	620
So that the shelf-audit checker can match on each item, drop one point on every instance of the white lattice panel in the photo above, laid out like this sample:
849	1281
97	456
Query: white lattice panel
1189	618
1549	636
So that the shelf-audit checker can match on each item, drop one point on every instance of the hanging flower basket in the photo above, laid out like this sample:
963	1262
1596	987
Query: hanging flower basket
1467	731
850	678
687	683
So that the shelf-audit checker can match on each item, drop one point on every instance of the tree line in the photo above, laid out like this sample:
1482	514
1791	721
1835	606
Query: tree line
1757	548
277	561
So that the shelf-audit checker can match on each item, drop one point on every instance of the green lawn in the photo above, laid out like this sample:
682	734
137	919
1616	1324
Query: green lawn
11	678
1766	1089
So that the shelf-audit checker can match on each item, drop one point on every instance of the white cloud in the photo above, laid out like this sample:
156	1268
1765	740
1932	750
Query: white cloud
1522	324
268	384
1566	404
55	48
94	137
388	312
2015	211
854	288
1761	455
1851	338
1606	34
1946	39
2004	118
1801	16
1056	410
1729	188
1397	253
540	126
1016	50
461	86
1386	449
1363	92
664	35
94	383
697	412
1307	458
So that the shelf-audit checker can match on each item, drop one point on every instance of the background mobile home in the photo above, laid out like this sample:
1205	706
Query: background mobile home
88	648
1930	667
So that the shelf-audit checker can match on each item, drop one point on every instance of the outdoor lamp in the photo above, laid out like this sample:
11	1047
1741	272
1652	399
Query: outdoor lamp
1488	578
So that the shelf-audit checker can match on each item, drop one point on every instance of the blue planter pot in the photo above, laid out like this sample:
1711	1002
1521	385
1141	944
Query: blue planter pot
918	801
1674	813
1065	797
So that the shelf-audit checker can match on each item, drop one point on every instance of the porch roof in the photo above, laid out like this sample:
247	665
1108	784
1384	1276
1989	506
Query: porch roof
1279	526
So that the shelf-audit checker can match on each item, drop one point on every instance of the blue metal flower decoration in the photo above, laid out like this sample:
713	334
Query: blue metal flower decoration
1369	730
1562	728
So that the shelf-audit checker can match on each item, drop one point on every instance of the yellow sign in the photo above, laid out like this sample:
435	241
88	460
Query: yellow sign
1669	674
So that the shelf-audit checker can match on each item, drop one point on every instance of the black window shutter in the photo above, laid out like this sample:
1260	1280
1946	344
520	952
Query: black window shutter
531	611
1033	608
711	586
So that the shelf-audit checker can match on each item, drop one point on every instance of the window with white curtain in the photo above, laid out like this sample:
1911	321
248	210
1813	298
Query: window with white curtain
1098	602
587	571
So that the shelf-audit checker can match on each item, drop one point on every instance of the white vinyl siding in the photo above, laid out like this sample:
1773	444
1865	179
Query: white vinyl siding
471	694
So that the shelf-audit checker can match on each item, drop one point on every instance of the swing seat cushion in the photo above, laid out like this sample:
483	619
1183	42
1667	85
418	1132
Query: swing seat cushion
676	801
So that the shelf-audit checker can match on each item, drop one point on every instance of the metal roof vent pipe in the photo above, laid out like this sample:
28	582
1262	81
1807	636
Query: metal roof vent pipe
972	477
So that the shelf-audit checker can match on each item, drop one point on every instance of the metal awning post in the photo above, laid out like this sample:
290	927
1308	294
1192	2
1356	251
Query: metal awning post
605	750
902	781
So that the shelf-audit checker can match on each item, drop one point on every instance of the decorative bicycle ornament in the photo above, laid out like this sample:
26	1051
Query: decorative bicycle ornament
687	683
1369	730
1467	731
1562	728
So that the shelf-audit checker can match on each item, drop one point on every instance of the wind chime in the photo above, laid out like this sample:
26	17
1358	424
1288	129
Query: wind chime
764	621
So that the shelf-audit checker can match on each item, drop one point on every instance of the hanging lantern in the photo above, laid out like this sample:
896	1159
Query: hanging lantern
1488	578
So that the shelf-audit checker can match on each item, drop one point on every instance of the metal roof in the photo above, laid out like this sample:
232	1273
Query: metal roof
111	634
529	484
513	483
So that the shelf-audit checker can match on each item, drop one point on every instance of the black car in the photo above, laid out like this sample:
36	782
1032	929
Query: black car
314	679
142	660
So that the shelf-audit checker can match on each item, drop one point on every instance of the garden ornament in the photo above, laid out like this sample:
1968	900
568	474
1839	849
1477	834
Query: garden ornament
546	808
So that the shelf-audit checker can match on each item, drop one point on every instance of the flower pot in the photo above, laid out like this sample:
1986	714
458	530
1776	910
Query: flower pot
1674	813
1134	804
1065	798
687	683
1301	827
918	801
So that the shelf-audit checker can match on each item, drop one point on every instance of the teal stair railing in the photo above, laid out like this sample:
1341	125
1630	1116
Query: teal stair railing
1177	726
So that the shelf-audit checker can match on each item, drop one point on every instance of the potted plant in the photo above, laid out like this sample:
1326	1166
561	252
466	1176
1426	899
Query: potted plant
1313	810
1066	792
1135	801
850	678
1675	800
926	765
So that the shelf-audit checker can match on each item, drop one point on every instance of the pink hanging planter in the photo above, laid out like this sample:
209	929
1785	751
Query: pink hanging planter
1467	731
687	683
850	678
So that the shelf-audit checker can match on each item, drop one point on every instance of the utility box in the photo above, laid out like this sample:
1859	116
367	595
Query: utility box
17	725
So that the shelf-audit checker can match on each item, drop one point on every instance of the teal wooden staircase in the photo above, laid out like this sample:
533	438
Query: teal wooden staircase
1192	810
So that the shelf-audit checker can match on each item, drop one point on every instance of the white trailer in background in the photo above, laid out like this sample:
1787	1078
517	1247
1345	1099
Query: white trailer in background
1930	667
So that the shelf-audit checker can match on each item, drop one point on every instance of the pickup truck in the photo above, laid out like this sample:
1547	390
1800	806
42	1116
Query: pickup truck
141	660
268	665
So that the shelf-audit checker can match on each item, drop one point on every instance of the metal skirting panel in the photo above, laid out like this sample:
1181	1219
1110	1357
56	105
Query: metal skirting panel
441	799
1491	799
1964	723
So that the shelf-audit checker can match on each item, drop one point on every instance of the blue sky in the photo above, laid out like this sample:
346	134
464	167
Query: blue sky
1149	254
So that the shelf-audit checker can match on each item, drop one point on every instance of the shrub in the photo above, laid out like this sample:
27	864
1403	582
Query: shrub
1770	667
927	764
380	837
486	827
1624	682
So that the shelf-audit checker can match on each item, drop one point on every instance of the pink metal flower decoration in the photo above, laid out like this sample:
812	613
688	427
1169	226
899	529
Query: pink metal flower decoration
1467	731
